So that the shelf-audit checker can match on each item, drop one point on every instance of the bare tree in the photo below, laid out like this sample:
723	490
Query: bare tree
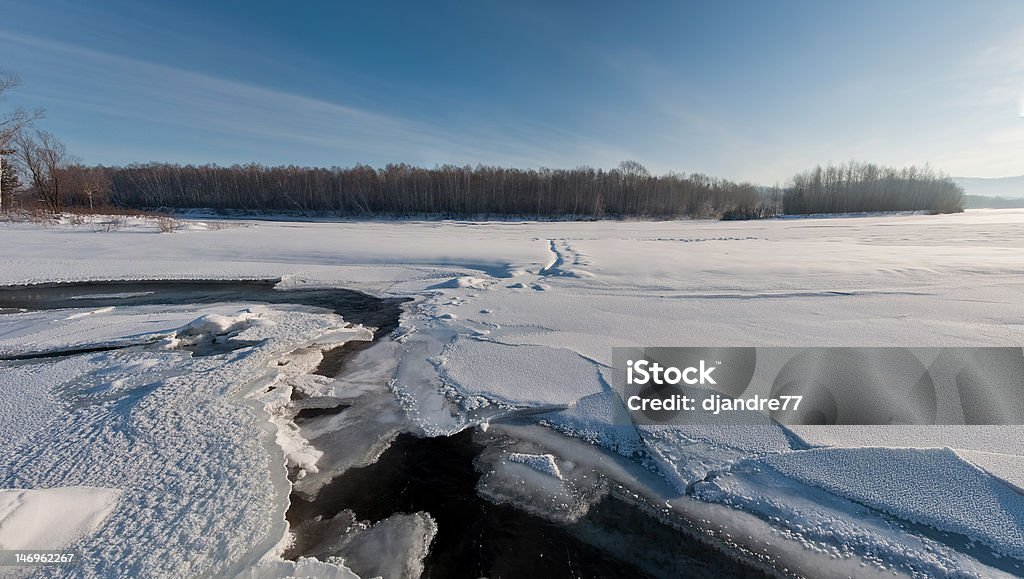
45	161
860	187
11	124
13	121
85	186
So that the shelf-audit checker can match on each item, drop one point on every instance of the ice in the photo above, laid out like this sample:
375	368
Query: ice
90	313
394	547
32	332
557	490
219	325
304	567
357	435
353	438
1003	439
294	374
600	419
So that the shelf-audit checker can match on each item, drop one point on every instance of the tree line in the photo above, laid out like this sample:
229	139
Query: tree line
864	187
628	190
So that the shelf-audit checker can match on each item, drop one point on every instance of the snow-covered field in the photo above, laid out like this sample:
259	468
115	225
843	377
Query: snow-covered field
181	460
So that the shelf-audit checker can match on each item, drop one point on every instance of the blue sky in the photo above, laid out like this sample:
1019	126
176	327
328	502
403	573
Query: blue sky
743	90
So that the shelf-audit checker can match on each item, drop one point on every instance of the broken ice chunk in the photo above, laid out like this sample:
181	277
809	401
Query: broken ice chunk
544	463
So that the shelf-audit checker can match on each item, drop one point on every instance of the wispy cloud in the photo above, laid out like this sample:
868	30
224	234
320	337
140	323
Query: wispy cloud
125	88
636	103
964	119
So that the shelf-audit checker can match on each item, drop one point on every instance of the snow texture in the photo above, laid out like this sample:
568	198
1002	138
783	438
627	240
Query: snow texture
934	487
191	459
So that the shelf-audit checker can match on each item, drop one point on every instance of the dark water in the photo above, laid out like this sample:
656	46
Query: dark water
307	414
477	538
354	306
58	353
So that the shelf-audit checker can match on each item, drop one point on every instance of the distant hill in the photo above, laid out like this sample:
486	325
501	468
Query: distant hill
1006	187
983	202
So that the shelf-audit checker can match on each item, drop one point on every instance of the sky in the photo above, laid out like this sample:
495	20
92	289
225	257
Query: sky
742	90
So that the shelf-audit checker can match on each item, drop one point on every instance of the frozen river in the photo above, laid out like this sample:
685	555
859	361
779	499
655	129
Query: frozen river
508	340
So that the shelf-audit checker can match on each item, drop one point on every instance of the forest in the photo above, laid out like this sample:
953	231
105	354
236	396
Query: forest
628	190
401	190
449	191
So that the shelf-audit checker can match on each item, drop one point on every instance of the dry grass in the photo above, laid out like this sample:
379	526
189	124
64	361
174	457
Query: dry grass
111	224
40	217
167	224
222	225
103	219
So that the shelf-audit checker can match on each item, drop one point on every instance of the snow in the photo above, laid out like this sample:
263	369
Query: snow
192	459
52	518
687	454
305	567
1008	468
512	327
836	530
544	463
557	376
462	283
28	404
90	313
935	487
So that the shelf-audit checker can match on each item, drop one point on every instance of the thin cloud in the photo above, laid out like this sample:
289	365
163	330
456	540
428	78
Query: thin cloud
158	94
